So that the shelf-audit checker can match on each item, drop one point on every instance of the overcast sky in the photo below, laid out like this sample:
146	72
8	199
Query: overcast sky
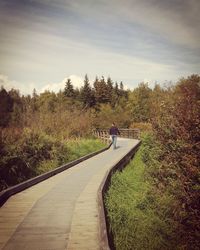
43	42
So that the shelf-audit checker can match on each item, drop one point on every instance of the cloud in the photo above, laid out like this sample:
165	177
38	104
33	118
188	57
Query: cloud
44	41
6	83
12	84
175	21
56	87
28	87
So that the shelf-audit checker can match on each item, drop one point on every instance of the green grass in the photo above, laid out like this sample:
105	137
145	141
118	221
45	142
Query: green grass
71	150
139	217
79	148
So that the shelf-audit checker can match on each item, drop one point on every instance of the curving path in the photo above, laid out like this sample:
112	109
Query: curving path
62	211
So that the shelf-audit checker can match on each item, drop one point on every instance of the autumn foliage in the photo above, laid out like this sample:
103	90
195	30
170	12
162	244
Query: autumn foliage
170	113
177	129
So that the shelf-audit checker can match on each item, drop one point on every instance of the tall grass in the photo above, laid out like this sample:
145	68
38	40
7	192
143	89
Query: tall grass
139	216
73	149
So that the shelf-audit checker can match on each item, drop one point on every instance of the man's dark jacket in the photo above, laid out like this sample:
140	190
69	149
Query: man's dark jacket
114	131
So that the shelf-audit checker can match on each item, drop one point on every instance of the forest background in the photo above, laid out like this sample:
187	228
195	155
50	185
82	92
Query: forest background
37	132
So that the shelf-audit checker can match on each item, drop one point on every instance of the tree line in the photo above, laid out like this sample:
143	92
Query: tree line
102	98
103	91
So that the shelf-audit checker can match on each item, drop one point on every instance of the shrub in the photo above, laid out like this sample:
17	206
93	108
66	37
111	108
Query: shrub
29	153
177	128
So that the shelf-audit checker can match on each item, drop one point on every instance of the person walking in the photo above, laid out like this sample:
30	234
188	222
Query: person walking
114	131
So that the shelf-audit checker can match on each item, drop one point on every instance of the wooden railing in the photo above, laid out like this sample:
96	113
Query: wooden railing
103	134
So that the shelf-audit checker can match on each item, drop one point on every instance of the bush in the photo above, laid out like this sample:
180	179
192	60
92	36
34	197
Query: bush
177	128
142	126
25	154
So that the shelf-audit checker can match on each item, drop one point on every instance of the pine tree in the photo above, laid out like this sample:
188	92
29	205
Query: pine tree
116	89
115	95
69	89
6	107
17	113
102	94
111	92
87	95
121	86
122	92
34	106
110	84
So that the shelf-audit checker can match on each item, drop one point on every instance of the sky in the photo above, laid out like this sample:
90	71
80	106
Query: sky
45	42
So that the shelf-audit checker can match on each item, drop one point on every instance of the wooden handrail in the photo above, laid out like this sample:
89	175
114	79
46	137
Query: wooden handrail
103	134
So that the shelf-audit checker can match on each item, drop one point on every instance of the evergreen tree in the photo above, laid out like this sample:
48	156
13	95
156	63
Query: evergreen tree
101	91
35	95
110	84
6	107
116	89
17	113
87	95
34	99
122	92
111	91
69	89
77	93
121	86
115	95
121	89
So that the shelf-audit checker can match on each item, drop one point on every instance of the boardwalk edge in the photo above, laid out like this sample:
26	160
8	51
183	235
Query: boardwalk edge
106	237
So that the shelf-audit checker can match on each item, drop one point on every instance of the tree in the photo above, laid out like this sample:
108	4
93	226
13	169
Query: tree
47	101
34	99
102	93
110	84
86	93
122	92
107	114
116	89
157	97
140	103
17	112
6	107
177	128
69	89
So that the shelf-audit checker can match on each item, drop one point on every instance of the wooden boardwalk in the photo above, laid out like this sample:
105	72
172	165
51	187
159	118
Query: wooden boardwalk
62	211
